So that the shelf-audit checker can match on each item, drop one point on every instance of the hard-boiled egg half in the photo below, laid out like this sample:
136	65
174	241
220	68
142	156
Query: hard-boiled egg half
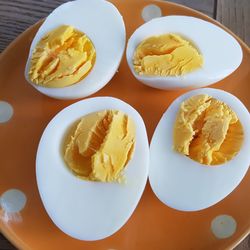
174	52
199	152
77	49
79	184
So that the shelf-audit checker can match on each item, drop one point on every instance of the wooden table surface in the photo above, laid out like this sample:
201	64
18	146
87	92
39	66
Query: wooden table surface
17	15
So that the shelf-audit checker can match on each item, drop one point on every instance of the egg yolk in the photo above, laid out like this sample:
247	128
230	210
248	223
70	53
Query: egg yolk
207	130
61	58
166	55
100	146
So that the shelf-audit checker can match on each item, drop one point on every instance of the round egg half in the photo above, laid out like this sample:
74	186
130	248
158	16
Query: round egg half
104	26
184	184
221	52
89	210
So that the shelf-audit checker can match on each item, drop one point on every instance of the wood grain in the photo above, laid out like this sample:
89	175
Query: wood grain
244	245
205	6
5	244
18	15
235	14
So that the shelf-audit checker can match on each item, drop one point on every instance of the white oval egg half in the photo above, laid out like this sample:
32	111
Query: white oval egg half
103	24
221	52
184	184
89	210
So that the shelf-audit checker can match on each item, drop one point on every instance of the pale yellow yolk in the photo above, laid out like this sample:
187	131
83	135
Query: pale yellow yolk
207	130
100	146
166	55
61	58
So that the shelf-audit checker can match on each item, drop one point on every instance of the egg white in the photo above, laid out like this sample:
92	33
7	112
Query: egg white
183	183
221	52
103	24
89	210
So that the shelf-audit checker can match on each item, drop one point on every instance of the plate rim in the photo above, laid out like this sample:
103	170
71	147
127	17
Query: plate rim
12	237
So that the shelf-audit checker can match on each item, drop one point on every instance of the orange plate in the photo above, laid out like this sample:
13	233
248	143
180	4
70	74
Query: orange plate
152	225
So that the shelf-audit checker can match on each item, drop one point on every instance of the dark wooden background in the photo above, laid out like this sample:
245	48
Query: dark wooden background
18	15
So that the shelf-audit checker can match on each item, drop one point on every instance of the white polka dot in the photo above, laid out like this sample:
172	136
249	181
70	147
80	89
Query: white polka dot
223	226
13	201
6	111
151	11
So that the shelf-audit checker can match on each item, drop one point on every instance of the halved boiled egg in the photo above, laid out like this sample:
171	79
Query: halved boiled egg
199	152
175	52
80	184
77	49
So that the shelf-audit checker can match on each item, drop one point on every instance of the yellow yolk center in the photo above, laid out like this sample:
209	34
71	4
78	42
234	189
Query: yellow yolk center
100	146
61	58
207	130
166	55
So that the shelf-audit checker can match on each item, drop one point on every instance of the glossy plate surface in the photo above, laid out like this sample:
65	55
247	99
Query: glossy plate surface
153	225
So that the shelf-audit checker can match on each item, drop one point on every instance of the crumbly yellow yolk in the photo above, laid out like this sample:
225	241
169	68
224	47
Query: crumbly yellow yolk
100	146
61	58
166	55
207	130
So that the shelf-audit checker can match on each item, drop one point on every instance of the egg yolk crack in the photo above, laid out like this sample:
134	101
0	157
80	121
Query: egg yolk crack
101	146
207	130
166	55
61	58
